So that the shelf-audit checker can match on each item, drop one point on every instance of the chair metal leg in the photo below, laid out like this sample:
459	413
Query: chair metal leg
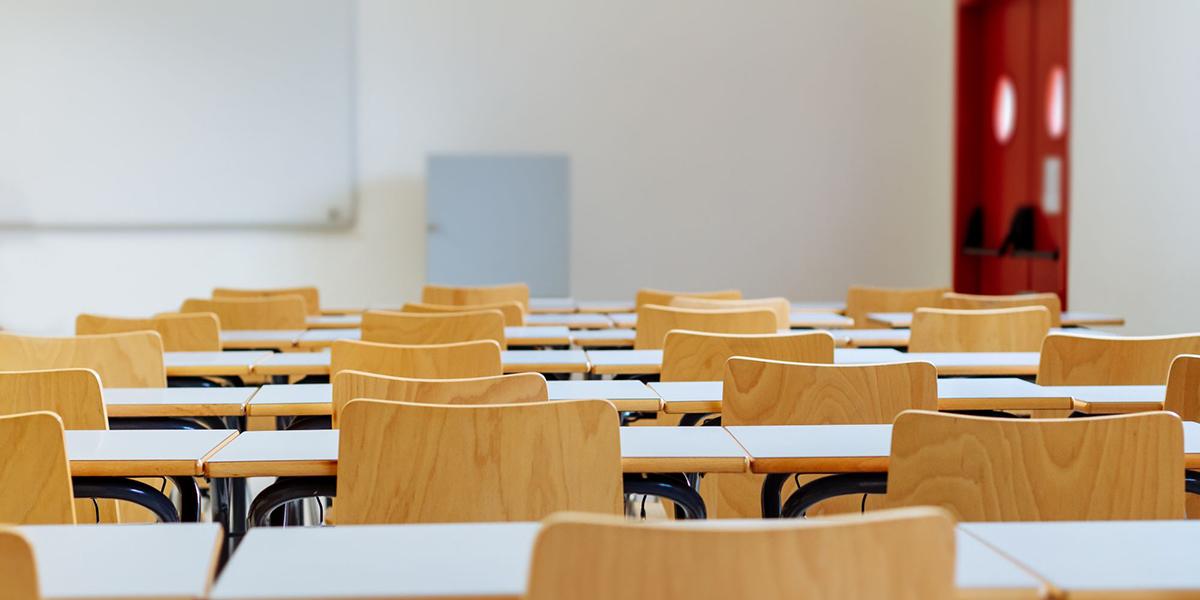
673	487
189	494
284	490
129	490
831	486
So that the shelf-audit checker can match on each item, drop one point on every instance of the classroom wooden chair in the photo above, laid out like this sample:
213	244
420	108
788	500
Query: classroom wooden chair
35	477
1183	387
1109	360
422	463
992	330
472	295
780	306
132	359
861	300
312	297
514	313
768	392
1049	300
906	554
663	298
235	314
441	361
654	322
698	356
18	568
518	388
423	328
181	332
996	469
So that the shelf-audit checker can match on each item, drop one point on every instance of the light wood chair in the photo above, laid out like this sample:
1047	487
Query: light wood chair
35	477
995	469
904	554
1183	387
442	361
994	330
1049	300
181	332
423	463
120	359
472	295
653	323
518	388
780	306
514	313
276	312
18	567
861	300
419	328
312	297
697	356
1102	360
664	298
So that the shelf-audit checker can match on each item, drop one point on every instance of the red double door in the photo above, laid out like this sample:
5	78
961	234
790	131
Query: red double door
1011	147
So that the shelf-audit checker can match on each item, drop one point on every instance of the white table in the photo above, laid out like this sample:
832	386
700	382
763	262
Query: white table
979	363
552	305
514	336
212	364
142	452
335	321
257	339
514	361
1070	318
817	320
605	306
649	362
1112	399
574	320
177	402
603	338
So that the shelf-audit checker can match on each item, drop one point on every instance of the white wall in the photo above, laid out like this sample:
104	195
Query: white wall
1136	152
781	146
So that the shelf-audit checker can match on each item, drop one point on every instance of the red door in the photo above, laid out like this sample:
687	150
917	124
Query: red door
1011	145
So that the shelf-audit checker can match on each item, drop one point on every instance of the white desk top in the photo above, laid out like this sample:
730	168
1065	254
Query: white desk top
1112	399
125	561
326	337
260	338
334	321
980	363
552	305
303	399
836	306
888	338
515	361
998	393
814	320
606	306
603	338
616	389
519	336
142	452
978	566
191	402
624	320
573	320
1070	318
212	363
650	361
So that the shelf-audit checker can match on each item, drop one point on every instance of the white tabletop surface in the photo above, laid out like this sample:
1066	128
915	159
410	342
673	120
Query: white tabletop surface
296	359
557	305
1068	317
301	393
1101	394
820	319
688	391
1024	360
605	306
125	561
351	320
615	389
989	388
232	358
979	566
814	441
819	306
179	396
510	358
331	335
583	336
625	320
272	335
574	320
127	445
514	335
845	356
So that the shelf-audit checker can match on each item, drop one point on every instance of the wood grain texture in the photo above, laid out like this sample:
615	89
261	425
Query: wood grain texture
503	389
988	469
441	361
275	312
1049	300
696	356
861	300
312	297
421	328
513	311
654	322
663	297
72	394
181	332
904	554
1093	360
1183	387
993	330
421	463
18	568
780	306
472	295
120	359
35	478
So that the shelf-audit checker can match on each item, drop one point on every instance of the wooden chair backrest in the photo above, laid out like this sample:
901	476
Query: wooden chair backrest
422	328
472	295
909	554
132	359
996	469
276	312
181	332
18	567
514	313
654	322
1183	387
664	298
312	297
780	306
992	330
698	356
35	478
72	394
422	463
861	300
1049	300
1102	360
518	388
440	361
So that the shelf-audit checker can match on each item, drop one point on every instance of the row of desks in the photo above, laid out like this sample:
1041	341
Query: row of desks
627	320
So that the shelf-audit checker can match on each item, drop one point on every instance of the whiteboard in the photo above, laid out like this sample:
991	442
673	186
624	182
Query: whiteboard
176	113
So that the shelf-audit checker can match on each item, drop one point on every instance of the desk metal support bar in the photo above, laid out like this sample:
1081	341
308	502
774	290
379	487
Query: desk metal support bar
129	490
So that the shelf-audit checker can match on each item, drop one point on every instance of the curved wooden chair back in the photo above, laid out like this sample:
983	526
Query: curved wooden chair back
418	328
181	332
424	463
312	297
997	469
132	359
1183	387
441	361
514	313
909	554
663	298
994	330
473	295
780	306
861	299
654	322
72	394
1106	360
518	388
698	356
1049	300
276	312
35	478
18	568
